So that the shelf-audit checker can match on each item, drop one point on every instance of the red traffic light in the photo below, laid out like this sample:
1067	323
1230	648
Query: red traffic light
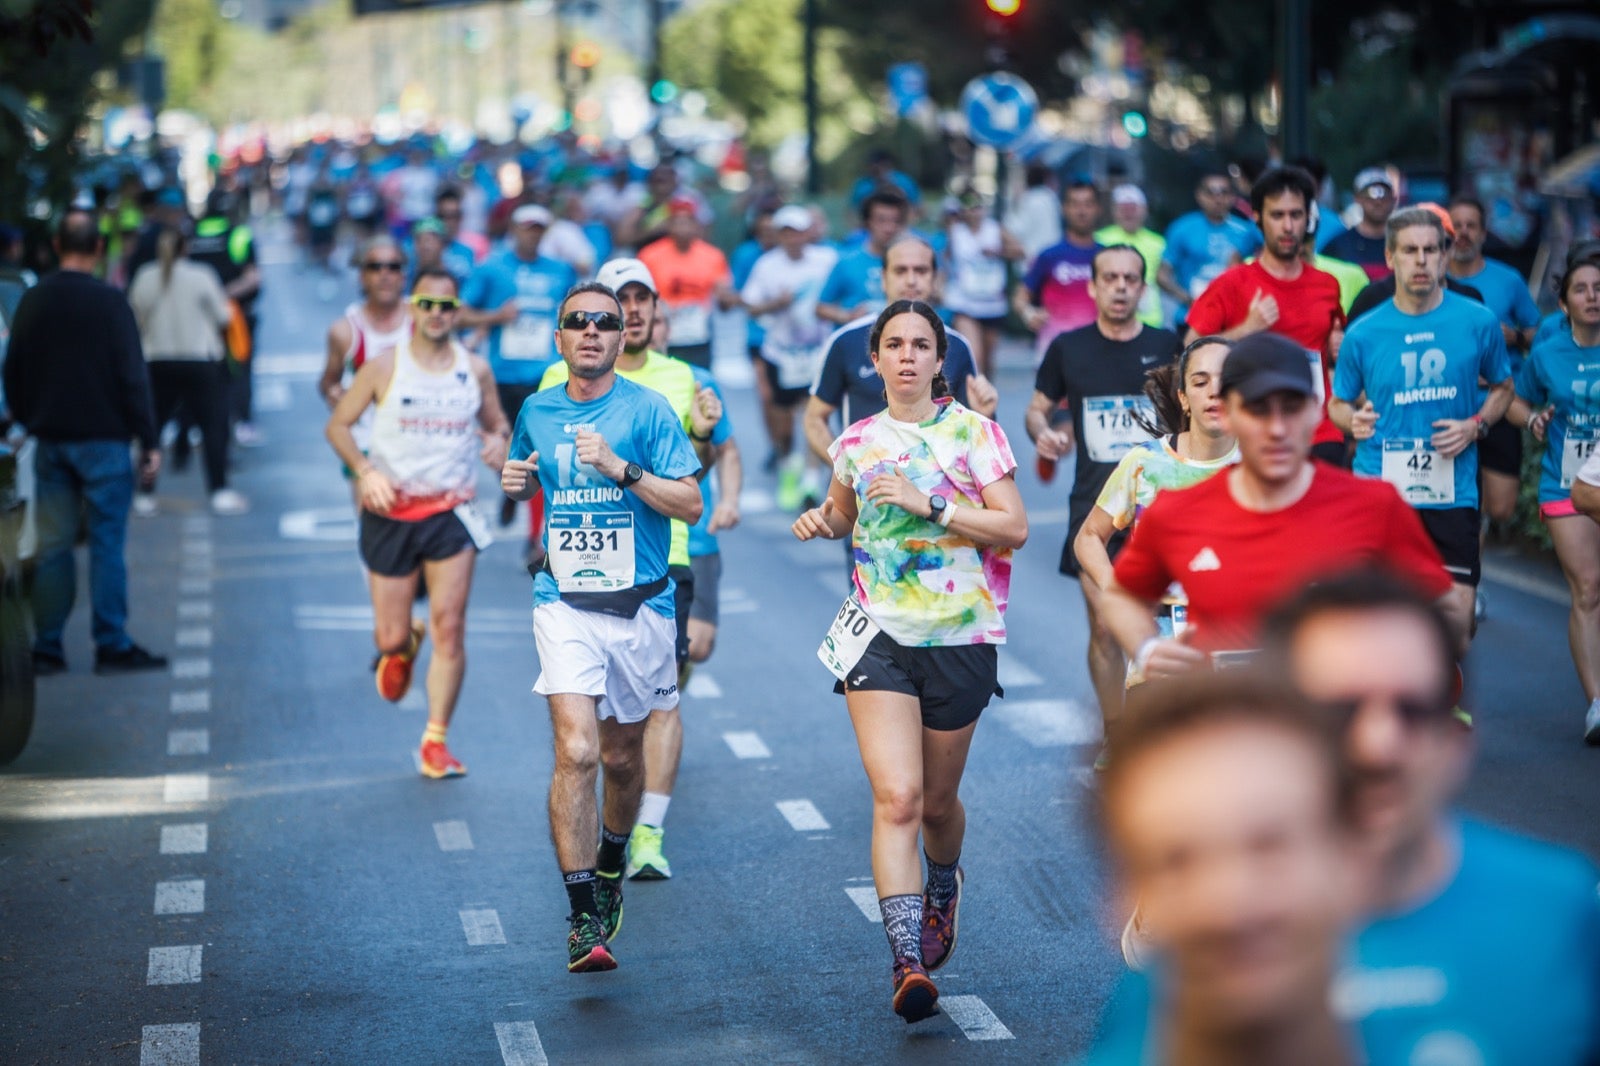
1004	8
585	54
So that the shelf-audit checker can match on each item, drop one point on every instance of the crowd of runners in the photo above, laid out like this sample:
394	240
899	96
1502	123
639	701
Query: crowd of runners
1288	445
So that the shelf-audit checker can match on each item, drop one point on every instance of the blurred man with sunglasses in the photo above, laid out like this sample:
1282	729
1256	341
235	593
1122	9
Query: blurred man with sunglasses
435	412
617	468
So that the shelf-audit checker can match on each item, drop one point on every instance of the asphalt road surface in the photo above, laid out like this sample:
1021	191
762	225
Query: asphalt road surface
236	861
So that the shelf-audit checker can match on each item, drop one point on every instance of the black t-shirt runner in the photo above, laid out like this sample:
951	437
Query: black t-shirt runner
1102	381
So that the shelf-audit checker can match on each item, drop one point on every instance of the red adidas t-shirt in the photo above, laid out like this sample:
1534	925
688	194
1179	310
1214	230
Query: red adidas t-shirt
1308	310
1237	565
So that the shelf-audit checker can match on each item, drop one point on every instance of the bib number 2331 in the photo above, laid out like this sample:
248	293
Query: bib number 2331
847	640
591	553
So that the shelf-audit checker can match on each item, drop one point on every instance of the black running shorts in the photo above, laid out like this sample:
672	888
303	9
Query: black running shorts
393	548
953	683
1454	531
683	600
1501	451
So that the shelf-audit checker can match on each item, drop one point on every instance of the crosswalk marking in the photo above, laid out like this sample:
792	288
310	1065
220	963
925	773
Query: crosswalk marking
193	637
974	1017
174	966
194	610
191	669
747	745
170	1045
519	1044
1049	723
181	897
802	815
196	702
188	839
452	836
482	927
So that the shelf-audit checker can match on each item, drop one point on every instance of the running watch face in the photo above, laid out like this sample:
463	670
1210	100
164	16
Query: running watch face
631	473
936	506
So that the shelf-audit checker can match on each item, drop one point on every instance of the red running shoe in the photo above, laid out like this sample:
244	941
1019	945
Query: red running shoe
393	675
437	761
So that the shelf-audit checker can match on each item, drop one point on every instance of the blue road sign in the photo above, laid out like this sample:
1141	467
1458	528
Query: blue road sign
908	86
1000	109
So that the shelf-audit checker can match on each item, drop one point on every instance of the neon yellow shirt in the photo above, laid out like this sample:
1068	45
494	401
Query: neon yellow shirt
1151	245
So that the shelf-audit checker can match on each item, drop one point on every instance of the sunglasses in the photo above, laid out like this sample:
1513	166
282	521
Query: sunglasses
384	265
604	321
426	304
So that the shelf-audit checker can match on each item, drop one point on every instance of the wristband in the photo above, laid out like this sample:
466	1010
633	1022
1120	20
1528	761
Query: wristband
1141	658
1483	427
946	513
697	437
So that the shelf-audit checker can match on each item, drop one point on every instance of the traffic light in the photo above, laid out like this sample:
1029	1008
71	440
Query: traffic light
585	54
1004	8
1001	22
1135	123
663	92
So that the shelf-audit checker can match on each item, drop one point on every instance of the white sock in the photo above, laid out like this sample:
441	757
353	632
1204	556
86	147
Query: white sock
653	809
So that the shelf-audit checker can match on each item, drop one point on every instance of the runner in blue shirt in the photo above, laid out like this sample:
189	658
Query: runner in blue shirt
1418	360
618	467
1558	399
855	287
1204	243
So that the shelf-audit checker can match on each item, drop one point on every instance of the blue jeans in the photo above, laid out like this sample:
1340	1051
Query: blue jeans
94	477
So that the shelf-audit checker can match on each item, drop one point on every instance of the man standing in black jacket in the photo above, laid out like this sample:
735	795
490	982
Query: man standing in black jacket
75	377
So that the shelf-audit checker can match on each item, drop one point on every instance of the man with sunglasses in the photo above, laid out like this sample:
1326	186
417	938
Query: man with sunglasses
435	411
515	294
617	468
688	391
1204	243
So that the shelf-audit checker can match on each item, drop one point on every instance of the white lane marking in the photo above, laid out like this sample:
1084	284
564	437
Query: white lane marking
739	607
1544	590
194	610
197	525
325	523
702	686
415	700
1014	674
475	626
181	897
272	395
174	966
482	927
186	788
196	702
297	364
1049	723
756	501
170	1045
193	637
452	836
803	815
189	742
191	669
194	586
747	745
519	1044
865	897
974	1017
188	839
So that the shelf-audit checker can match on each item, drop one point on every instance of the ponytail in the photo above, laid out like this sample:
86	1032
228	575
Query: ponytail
1165	416
941	387
168	243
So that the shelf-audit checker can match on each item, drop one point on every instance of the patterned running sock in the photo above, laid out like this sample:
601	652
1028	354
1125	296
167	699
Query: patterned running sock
902	923
613	852
941	887
580	891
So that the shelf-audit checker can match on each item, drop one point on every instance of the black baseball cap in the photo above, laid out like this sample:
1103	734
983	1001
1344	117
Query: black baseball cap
1264	363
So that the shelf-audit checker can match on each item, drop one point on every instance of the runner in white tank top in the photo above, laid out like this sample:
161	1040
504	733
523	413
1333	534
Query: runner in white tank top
424	434
356	335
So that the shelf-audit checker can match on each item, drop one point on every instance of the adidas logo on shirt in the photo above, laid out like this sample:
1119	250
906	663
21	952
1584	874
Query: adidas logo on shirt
1206	559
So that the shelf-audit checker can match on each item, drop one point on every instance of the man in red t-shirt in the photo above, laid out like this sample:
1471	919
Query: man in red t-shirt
1246	539
1279	292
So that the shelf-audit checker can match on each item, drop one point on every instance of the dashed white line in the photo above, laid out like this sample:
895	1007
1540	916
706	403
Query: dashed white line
802	815
191	669
193	637
865	897
189	742
702	686
195	702
1014	674
194	610
194	586
170	1045
482	927
747	745
519	1044
1549	591
174	966
181	897
188	839
1049	723
186	788
452	836
974	1017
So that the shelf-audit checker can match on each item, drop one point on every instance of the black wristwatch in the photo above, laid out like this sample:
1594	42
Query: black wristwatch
630	474
936	506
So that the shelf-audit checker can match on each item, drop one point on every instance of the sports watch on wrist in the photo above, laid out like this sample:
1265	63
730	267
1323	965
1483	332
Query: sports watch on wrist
630	474
936	506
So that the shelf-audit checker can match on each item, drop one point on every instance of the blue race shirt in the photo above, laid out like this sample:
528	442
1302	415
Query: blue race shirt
740	263
857	279
1553	323
1557	371
640	427
847	380
1200	249
1443	983
519	353
1504	292
701	540
1417	369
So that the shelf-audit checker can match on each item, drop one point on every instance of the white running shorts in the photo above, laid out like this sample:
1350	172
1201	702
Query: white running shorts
628	663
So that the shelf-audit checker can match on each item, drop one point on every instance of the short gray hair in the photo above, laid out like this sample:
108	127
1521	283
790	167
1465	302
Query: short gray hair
1413	216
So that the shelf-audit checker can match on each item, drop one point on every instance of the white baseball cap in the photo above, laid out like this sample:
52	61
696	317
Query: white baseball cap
1371	176
616	273
1129	194
792	216
532	215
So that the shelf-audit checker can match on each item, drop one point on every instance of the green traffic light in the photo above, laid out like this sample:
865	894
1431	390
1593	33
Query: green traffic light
1135	124
663	92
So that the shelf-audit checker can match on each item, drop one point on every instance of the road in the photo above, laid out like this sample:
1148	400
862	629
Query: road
236	861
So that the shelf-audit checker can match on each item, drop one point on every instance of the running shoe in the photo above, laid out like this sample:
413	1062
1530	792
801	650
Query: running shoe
437	762
1480	607
229	502
915	995
1591	724
393	675
144	505
608	901
939	927
127	660
788	496
645	861
586	946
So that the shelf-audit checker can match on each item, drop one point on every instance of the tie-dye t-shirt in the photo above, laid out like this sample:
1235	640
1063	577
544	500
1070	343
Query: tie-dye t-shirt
1150	468
925	585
